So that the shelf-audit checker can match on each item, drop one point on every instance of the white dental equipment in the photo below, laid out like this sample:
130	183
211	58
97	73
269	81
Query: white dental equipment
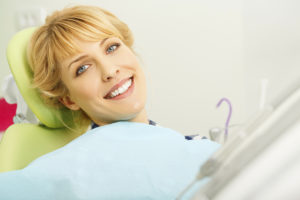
248	150
12	95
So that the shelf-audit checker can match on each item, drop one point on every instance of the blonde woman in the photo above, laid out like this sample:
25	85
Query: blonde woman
82	58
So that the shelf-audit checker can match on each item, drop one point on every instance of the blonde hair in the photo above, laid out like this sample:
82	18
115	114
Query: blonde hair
55	40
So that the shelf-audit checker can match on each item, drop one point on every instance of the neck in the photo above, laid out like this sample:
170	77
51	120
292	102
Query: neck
141	117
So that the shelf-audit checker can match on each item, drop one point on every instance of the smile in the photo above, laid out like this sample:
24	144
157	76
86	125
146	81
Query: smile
120	90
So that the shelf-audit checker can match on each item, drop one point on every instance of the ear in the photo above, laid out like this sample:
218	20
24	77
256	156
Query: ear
69	103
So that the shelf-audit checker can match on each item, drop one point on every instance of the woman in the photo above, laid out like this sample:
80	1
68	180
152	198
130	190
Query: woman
82	58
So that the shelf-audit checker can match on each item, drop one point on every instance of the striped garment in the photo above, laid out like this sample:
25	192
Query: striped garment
153	123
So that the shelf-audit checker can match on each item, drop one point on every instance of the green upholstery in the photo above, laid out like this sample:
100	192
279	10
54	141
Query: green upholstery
22	143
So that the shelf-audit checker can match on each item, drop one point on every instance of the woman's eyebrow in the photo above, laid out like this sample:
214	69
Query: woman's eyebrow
102	42
76	60
84	56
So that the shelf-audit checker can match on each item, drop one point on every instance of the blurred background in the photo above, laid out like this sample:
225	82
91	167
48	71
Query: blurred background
194	53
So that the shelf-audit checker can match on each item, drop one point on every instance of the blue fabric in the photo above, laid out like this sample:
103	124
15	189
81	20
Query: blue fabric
123	160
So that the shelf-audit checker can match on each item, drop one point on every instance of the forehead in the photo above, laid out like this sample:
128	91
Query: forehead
73	46
65	42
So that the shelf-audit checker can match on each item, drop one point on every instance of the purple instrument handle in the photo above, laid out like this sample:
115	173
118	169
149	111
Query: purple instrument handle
229	114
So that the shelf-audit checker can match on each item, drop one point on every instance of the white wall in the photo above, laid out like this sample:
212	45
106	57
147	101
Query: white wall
192	52
271	47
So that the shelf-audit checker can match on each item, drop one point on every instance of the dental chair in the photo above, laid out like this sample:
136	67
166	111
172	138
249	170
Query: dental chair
24	142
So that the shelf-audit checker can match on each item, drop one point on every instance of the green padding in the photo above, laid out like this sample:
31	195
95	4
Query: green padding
17	60
23	143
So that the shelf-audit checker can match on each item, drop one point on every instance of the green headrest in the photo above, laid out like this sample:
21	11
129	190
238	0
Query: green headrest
23	75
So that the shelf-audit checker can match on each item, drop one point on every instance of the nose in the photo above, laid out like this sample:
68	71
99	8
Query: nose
109	71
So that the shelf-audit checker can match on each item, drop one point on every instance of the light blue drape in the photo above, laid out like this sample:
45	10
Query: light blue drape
123	160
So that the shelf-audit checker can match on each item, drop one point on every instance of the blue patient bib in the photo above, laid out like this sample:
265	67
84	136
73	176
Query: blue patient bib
123	160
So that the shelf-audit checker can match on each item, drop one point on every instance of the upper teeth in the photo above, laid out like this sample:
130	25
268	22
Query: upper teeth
121	89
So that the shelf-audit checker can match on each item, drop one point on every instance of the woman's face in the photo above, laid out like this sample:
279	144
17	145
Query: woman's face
106	81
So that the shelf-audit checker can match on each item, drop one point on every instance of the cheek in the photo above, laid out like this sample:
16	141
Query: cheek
141	76
125	57
85	89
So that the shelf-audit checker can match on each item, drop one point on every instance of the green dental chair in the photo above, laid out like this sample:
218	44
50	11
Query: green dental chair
23	143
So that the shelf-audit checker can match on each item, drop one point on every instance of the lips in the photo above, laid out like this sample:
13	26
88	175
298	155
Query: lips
116	87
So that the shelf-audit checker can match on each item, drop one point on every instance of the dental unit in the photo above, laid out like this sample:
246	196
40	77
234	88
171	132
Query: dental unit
244	149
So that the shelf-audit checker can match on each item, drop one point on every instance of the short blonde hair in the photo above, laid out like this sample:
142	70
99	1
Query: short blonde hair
55	40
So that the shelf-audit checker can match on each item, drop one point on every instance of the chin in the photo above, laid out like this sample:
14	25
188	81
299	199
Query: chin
138	106
134	113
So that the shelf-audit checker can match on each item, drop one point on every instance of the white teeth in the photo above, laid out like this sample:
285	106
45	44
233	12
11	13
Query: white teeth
121	89
115	93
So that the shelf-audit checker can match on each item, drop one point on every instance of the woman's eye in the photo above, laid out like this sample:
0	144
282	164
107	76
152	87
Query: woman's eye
112	48
81	69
